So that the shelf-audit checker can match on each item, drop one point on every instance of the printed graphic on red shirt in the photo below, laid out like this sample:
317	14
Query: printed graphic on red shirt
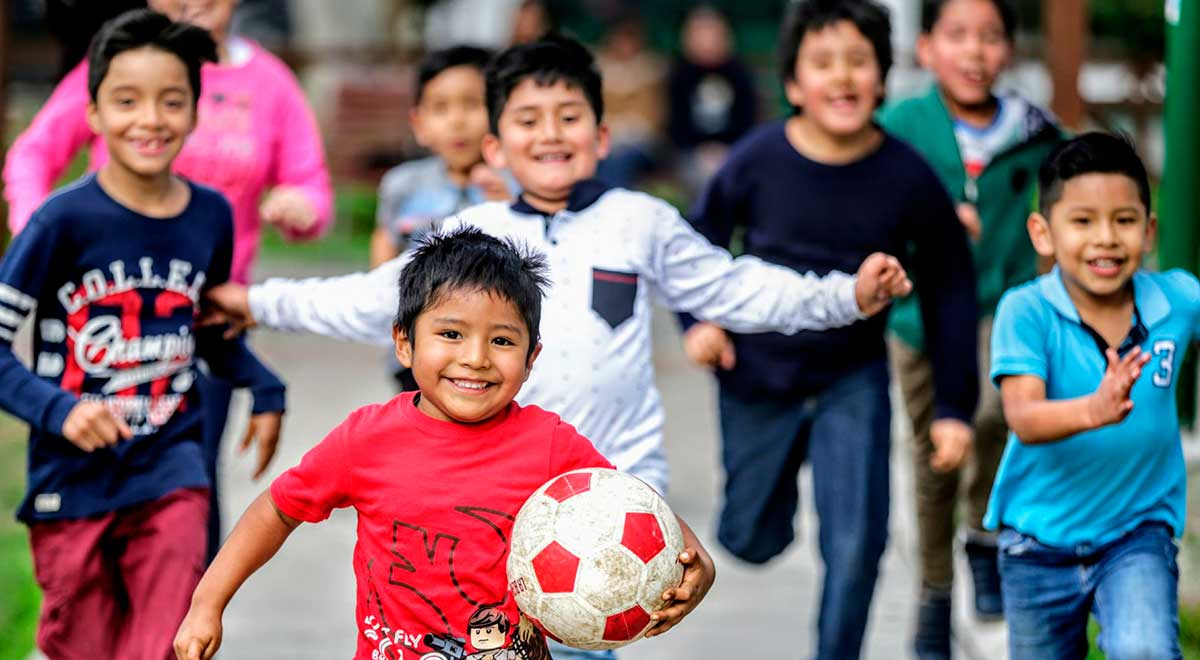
128	339
421	570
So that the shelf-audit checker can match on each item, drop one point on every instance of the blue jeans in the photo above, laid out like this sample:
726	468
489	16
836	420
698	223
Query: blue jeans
845	431
564	652
1130	584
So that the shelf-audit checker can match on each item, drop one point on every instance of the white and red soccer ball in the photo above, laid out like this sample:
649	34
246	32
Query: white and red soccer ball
592	553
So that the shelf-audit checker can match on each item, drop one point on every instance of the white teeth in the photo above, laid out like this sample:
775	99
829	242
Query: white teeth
1105	263
471	384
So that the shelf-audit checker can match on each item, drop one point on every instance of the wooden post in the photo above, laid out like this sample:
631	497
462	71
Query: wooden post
1066	47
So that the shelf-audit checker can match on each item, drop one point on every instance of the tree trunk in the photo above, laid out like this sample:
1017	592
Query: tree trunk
1066	47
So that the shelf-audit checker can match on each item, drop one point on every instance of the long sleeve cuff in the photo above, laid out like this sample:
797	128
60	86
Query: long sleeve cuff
269	398
57	411
846	298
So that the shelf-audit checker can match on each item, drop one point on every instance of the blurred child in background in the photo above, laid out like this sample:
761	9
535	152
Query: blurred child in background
985	146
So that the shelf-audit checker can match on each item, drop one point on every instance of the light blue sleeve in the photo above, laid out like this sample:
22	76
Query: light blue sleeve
1019	335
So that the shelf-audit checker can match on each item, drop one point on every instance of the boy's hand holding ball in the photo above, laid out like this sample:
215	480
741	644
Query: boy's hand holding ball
880	279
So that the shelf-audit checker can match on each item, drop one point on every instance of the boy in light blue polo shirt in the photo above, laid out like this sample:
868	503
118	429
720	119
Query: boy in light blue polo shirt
1091	489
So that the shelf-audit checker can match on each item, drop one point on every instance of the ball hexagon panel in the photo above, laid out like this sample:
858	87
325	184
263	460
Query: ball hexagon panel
555	568
626	626
587	522
570	619
643	535
635	494
662	572
534	526
610	580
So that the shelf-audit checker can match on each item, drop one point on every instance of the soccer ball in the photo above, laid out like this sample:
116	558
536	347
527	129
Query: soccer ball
592	552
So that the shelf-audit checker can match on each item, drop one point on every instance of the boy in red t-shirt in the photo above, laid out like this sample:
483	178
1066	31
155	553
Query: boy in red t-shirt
436	475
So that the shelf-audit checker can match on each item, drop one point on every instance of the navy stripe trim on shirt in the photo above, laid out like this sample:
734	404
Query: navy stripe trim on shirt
584	194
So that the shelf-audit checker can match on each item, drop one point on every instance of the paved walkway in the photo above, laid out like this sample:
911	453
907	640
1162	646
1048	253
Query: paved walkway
301	605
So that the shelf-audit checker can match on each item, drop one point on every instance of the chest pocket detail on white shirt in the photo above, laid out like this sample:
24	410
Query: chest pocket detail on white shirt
613	295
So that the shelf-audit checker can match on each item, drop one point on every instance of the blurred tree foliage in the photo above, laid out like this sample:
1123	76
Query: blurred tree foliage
1131	29
1137	25
755	24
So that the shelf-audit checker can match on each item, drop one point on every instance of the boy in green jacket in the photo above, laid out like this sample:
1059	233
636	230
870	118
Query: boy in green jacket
986	148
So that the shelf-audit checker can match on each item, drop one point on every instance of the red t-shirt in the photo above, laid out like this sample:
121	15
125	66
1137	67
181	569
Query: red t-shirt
435	502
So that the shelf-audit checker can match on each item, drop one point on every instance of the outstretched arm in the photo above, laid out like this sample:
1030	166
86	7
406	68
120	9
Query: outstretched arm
747	294
256	538
357	307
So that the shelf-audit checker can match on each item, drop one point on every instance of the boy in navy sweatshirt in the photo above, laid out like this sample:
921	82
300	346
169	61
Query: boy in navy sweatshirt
116	265
817	192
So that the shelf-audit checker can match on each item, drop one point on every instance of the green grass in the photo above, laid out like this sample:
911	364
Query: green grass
21	598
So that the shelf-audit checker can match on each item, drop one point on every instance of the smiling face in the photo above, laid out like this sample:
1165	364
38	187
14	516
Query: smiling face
549	139
836	80
469	355
144	110
966	50
211	15
1098	232
451	118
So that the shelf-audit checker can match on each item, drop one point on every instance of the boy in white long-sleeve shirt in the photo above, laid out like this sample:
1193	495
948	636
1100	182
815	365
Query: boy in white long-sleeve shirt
611	252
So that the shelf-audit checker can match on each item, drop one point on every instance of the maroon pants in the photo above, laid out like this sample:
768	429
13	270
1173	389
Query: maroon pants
118	585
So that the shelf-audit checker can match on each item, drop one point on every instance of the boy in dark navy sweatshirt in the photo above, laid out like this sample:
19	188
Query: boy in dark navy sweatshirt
115	266
817	192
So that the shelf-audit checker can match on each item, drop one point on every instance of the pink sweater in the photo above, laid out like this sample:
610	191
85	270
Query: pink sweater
255	131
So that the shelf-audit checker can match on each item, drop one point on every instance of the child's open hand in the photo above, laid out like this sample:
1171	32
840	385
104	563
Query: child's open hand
264	427
698	575
951	439
228	303
199	635
880	278
1110	403
708	345
91	426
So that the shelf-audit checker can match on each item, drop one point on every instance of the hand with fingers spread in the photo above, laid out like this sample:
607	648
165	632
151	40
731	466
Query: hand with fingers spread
1110	403
263	428
951	440
708	345
228	303
698	575
91	426
880	279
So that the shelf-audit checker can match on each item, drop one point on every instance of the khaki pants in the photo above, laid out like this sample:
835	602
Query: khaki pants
937	493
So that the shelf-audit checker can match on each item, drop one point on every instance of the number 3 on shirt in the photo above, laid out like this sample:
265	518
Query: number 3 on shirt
1164	361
